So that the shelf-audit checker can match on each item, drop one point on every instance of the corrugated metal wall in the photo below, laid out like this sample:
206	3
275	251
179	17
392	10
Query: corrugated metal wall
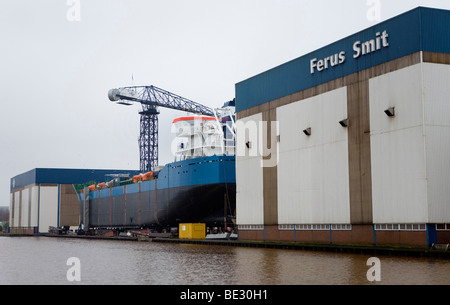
69	213
313	178
45	197
25	207
409	165
391	171
249	172
34	206
436	95
399	185
48	208
410	152
16	209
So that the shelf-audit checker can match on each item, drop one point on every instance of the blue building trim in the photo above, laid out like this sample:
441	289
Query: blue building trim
421	29
374	234
64	176
431	234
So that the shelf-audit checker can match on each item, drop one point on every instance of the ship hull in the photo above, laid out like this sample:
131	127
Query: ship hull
167	207
195	190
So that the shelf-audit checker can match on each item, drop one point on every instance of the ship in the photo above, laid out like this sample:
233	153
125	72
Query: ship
199	186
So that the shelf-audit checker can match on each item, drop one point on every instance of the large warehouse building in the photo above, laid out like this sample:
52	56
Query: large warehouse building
46	197
351	143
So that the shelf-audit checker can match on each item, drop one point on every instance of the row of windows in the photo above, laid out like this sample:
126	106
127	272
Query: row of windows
443	226
300	227
251	227
410	227
316	227
400	227
378	227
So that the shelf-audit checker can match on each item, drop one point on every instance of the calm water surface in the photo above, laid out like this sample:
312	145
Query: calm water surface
42	260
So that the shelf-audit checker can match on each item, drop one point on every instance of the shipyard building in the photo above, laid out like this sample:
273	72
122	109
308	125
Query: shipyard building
351	143
46	197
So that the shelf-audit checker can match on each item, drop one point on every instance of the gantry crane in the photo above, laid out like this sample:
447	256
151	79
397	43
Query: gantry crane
151	98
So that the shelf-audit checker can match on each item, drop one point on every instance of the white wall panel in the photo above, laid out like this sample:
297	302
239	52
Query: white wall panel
249	173
25	207
313	180
16	208
399	185
11	207
48	210
436	80
401	89
34	206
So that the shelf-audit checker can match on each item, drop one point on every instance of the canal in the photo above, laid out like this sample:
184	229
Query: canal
60	261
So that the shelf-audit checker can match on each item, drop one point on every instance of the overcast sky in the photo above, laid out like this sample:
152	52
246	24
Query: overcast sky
56	70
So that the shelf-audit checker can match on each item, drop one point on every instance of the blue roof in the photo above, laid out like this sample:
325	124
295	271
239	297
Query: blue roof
421	29
64	176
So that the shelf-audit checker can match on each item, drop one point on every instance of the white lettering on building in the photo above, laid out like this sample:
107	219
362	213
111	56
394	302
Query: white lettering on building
360	49
371	46
330	61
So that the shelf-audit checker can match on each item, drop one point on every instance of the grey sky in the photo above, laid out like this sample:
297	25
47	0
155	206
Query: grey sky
55	73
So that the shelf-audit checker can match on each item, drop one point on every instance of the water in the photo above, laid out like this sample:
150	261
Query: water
43	260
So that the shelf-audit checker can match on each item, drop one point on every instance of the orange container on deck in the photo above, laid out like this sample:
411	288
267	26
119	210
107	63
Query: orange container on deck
137	178
148	176
92	187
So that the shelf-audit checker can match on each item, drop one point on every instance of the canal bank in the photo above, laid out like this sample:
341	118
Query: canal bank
342	248
437	251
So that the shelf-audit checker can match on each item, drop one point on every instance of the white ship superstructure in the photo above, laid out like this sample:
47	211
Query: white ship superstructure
203	136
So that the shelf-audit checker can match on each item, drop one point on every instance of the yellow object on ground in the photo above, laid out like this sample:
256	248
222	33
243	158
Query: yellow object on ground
192	231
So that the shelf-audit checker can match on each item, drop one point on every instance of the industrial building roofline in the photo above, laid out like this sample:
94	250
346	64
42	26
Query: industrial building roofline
64	176
421	29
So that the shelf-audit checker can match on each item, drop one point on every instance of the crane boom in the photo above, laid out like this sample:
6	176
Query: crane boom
154	96
151	97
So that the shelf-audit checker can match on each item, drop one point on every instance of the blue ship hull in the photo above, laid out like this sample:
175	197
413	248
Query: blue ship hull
195	190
